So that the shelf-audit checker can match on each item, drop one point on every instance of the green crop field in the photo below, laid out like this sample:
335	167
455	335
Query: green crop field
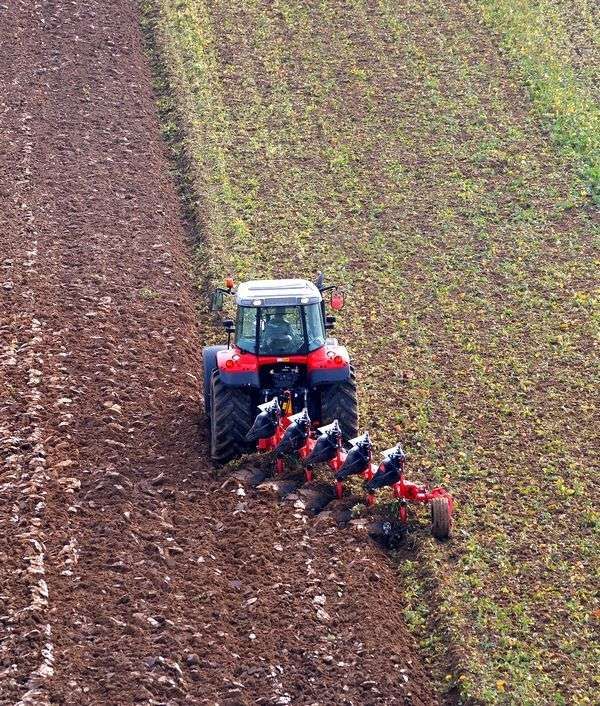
556	46
441	160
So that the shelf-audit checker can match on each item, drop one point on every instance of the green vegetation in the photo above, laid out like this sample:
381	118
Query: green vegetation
148	293
388	144
556	46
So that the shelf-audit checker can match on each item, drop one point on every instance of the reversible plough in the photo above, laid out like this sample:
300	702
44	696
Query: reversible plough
289	435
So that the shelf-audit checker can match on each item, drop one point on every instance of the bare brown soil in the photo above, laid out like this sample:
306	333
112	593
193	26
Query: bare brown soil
129	575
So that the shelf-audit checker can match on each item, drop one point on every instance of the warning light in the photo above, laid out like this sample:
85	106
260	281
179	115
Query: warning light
337	300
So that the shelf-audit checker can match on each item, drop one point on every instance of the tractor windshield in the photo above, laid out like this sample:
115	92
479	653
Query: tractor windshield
280	330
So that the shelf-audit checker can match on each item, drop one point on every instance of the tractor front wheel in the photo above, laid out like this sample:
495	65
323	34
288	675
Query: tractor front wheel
338	401
230	420
440	518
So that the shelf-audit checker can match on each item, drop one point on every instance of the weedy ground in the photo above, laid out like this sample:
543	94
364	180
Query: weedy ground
555	45
393	146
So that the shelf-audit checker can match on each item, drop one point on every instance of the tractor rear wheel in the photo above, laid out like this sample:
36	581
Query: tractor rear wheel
440	518
209	365
230	420
338	401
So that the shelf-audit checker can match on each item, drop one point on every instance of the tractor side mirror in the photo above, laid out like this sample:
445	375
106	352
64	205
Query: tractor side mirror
337	300
217	301
228	325
329	322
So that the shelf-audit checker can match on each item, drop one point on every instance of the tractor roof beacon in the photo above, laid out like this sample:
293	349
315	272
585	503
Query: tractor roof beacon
277	347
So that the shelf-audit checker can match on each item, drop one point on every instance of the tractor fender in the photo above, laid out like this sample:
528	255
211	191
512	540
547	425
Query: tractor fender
328	364
237	368
209	364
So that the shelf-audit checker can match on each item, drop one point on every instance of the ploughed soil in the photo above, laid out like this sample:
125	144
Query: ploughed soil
130	574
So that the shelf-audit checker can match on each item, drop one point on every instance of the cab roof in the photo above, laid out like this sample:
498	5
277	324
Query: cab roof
277	292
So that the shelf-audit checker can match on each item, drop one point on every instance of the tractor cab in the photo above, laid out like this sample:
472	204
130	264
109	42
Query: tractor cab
279	318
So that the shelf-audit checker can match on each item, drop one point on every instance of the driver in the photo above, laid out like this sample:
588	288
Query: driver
278	326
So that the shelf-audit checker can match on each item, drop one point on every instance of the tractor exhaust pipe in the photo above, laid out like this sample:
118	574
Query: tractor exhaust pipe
266	422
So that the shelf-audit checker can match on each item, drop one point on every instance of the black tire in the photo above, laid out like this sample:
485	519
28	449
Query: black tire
339	401
440	518
230	420
209	365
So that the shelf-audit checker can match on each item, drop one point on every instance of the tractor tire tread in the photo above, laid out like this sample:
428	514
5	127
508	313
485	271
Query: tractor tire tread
209	365
440	518
339	401
231	420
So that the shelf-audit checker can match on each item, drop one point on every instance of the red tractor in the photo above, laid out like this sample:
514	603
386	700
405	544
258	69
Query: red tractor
280	349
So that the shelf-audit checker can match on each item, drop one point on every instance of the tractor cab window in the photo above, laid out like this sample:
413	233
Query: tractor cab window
315	330
281	330
245	329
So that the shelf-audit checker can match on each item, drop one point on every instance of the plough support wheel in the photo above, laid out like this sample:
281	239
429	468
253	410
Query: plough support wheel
440	518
